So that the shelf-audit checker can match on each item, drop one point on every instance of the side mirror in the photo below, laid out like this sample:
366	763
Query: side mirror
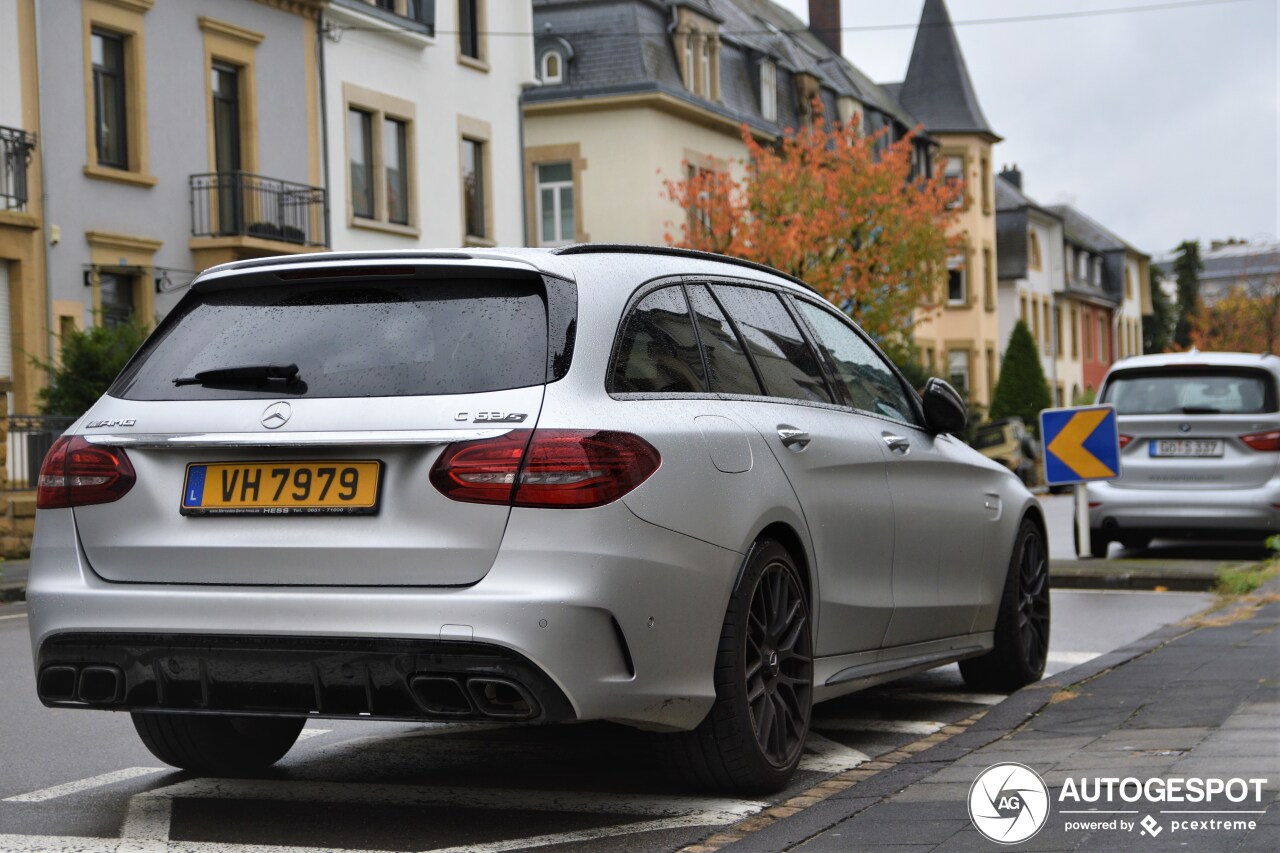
944	409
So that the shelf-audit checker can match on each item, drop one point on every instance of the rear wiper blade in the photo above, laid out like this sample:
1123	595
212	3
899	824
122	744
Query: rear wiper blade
243	373
1200	410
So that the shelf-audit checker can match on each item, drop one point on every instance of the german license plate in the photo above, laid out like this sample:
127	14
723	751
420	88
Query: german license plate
331	487
1185	447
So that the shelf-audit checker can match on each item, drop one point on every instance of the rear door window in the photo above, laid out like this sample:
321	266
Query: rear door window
1191	391
787	365
731	371
350	339
658	350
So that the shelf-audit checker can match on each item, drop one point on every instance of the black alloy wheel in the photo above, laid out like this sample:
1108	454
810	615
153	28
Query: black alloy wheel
1033	602
778	663
752	739
1021	637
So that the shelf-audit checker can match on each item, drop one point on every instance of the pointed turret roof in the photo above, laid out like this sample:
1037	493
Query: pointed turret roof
938	90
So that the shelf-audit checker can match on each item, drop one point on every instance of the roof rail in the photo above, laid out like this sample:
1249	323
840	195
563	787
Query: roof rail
673	251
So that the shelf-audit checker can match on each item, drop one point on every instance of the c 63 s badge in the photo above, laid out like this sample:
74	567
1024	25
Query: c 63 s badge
492	417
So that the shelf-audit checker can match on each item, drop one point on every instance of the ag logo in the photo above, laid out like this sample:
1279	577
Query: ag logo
1008	803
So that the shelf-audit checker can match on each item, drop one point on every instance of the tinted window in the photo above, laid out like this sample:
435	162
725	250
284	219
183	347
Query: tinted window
1198	391
366	339
658	351
868	381
730	371
787	364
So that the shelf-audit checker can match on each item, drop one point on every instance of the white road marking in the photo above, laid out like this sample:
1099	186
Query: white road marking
954	698
80	844
84	784
712	809
580	835
307	734
14	616
1073	658
829	756
906	727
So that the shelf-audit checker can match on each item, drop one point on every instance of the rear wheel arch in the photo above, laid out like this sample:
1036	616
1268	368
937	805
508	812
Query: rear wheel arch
786	536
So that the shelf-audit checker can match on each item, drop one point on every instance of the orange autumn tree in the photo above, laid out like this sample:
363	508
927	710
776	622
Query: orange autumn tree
1246	319
835	208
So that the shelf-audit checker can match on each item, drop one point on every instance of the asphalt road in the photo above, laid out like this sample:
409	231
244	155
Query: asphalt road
81	780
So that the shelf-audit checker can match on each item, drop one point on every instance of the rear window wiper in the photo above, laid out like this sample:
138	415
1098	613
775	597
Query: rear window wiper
241	374
1200	410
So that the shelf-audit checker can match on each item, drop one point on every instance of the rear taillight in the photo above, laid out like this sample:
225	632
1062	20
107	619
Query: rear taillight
1269	441
1124	441
567	468
77	473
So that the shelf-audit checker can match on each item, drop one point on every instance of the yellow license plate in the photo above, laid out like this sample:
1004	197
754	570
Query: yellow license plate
342	487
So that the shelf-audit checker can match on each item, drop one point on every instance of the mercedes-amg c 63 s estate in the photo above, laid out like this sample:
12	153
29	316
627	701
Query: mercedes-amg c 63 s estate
652	486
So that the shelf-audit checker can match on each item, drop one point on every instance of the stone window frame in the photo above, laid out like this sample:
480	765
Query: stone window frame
123	18
381	106
537	155
479	132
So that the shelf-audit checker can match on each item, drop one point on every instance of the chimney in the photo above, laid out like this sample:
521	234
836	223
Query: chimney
1013	175
824	22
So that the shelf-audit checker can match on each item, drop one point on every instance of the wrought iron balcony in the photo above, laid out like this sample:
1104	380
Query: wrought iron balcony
15	155
240	204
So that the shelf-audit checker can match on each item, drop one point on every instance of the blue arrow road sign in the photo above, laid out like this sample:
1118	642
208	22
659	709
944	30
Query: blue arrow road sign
1080	444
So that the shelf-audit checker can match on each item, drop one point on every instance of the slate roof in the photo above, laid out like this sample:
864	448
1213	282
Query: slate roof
937	89
623	46
1087	233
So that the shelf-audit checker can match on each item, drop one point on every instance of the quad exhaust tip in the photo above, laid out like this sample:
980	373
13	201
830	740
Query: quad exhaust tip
498	698
95	684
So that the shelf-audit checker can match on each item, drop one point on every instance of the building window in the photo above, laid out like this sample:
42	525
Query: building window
395	167
958	370
555	211
1022	308
988	279
957	286
1033	251
986	185
1082	261
111	134
769	91
551	68
380	154
991	371
1035	319
1048	329
953	176
471	22
1057	329
360	156
1128	283
1100	348
688	61
1075	337
473	189
117	295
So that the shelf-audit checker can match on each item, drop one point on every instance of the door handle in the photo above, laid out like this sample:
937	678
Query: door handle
898	444
793	438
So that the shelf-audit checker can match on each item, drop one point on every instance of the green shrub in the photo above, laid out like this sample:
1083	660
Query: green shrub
88	363
1022	390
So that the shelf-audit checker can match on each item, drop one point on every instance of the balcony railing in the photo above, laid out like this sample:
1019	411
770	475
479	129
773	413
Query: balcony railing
29	439
239	204
15	155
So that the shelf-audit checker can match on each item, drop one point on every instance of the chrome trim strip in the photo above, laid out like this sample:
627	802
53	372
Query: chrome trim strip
161	441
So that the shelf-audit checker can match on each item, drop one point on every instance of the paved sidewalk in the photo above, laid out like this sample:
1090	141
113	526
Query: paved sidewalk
1199	700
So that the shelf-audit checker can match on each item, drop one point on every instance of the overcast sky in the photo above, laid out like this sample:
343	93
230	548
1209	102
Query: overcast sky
1161	125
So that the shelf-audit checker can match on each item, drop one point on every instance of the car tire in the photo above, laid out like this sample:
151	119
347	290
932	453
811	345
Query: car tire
1022	624
752	739
216	745
1099	544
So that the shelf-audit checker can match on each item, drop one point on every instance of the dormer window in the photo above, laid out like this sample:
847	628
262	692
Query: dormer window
697	44
551	67
769	91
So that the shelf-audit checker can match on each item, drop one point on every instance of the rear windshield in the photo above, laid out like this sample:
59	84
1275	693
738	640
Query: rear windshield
350	339
1206	391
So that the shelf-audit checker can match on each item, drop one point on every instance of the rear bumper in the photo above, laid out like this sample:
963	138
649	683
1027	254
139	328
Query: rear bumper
1186	512
567	610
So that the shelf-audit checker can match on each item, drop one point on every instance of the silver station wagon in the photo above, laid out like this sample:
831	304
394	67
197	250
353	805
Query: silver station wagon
652	486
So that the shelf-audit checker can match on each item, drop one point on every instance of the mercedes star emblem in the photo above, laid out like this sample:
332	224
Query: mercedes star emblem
276	415
1184	427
